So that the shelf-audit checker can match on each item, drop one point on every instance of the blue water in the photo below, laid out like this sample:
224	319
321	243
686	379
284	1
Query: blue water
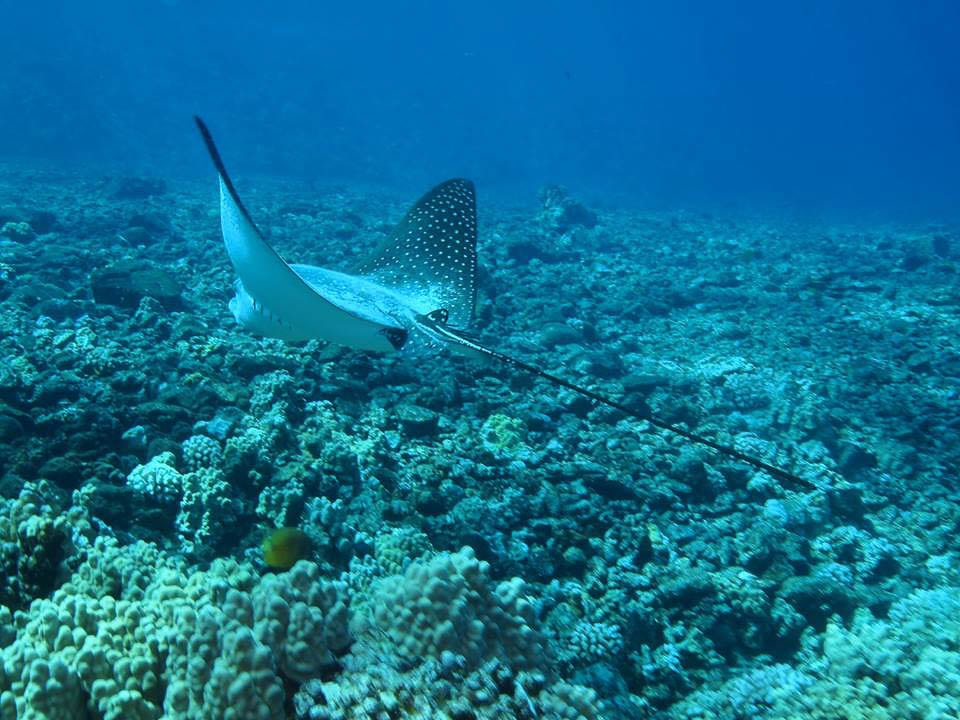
841	107
697	459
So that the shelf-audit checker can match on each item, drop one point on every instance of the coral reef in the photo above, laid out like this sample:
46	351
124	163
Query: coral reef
902	667
480	545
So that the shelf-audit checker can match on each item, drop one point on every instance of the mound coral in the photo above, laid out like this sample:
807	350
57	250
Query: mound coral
446	604
133	636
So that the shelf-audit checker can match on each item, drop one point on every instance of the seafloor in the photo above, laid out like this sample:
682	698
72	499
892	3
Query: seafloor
149	444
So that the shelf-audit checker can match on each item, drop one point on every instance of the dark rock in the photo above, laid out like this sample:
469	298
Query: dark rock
589	331
644	550
127	381
440	395
136	235
162	414
539	422
643	627
158	446
260	362
18	232
202	396
153	222
114	504
914	261
61	471
574	561
399	374
435	501
480	542
598	479
561	212
416	421
126	283
685	591
854	458
676	411
11	428
302	207
818	598
60	309
921	362
137	188
33	293
525	250
606	365
43	221
941	246
643	383
12	213
846	503
688	467
556	333
580	405
725	279
686	297
189	325
397	509
10	485
55	387
88	443
344	231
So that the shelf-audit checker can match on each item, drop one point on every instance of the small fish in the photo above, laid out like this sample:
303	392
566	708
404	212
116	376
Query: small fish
284	546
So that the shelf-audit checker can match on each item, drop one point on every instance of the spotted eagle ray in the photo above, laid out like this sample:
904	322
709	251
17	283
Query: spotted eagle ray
418	290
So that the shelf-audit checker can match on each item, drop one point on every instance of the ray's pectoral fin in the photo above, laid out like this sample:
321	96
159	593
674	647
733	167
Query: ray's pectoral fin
431	255
272	298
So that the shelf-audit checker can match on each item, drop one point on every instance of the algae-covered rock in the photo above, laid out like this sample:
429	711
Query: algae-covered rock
127	282
818	597
417	421
557	333
137	188
561	212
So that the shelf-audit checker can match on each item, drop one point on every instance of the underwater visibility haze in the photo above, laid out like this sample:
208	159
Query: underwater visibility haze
541	361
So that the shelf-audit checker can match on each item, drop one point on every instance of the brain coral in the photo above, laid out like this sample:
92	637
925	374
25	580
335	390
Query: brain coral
158	478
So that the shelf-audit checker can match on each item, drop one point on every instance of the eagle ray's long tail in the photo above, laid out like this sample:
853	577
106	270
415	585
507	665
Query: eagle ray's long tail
777	472
435	324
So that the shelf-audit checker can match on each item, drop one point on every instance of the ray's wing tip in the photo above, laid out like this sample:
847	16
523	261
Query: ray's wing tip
210	144
461	182
205	133
222	170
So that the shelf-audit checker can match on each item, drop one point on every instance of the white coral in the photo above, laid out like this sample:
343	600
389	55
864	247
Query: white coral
158	478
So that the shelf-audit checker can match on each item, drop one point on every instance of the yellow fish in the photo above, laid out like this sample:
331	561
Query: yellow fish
284	546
